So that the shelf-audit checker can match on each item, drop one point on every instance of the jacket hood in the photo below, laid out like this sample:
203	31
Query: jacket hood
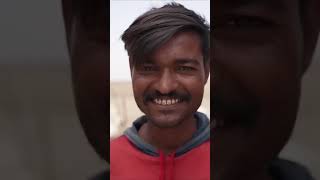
200	136
282	169
167	167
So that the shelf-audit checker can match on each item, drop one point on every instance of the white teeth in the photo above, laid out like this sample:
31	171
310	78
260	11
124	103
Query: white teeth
165	101
169	102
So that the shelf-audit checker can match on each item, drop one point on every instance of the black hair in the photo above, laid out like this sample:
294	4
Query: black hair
158	25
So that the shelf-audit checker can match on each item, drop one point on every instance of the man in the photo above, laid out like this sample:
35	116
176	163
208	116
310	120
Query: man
261	49
168	50
86	32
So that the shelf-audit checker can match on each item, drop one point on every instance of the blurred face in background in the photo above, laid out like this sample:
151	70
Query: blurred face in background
86	32
260	52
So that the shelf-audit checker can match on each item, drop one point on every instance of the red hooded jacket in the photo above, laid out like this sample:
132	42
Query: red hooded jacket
133	159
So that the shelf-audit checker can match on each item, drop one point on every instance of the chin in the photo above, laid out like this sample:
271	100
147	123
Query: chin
165	121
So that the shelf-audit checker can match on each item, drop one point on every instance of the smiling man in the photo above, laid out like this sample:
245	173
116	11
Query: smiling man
168	50
261	50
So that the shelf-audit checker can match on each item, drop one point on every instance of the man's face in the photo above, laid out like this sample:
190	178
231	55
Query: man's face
168	86
257	57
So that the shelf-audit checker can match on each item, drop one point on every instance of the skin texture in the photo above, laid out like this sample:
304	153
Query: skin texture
260	51
174	70
86	33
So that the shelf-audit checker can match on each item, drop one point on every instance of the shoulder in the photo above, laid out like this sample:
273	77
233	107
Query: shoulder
205	146
102	176
119	145
288	170
117	141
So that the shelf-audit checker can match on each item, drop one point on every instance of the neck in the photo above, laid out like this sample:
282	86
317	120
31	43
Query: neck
168	139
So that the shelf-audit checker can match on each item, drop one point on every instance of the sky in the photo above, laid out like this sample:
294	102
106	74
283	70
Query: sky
122	14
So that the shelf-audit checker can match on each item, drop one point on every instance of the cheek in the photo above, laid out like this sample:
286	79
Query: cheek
193	85
139	86
262	70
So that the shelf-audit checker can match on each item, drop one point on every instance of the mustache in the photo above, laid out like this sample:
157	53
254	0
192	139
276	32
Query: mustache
151	95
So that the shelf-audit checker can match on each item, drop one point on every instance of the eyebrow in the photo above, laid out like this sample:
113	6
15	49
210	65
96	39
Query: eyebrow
274	4
187	61
247	2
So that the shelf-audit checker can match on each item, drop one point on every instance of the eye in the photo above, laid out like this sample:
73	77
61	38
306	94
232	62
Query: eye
148	68
247	21
185	68
238	22
244	29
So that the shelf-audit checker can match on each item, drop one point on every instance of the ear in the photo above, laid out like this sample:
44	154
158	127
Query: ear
311	25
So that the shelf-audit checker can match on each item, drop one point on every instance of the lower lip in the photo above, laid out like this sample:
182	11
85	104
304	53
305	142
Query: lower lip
220	124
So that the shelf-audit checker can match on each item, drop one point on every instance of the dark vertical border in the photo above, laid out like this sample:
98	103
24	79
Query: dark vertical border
108	89
211	90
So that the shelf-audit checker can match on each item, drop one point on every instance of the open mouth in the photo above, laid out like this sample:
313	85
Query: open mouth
230	116
244	121
166	101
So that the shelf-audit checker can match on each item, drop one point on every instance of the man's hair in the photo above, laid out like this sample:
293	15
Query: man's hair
158	25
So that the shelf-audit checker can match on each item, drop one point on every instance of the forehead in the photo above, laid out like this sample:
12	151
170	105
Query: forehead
184	45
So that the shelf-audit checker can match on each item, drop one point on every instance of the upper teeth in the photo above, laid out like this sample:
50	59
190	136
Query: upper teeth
166	101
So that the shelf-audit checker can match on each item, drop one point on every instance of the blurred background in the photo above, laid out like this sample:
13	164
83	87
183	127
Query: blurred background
40	136
304	146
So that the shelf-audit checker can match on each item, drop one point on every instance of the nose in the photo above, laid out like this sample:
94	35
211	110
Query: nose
167	82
